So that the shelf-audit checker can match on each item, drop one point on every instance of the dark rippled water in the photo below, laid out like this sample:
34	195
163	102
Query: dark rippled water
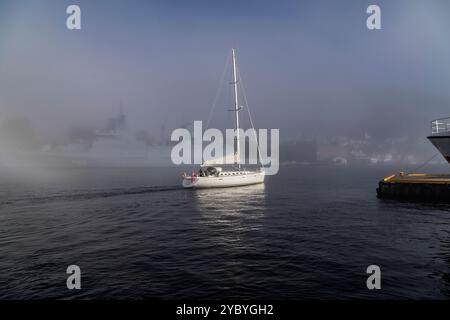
309	233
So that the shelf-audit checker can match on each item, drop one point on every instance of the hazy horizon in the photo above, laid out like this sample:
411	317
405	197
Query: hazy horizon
309	67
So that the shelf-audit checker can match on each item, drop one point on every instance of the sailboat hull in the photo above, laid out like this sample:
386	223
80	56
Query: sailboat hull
224	181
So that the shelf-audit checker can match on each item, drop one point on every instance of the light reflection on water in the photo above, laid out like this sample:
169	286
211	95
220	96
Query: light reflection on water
235	213
219	203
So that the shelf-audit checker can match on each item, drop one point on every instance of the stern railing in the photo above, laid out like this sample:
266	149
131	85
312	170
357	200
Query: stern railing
441	125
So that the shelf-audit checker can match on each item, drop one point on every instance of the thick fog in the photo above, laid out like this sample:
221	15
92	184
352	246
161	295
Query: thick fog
310	68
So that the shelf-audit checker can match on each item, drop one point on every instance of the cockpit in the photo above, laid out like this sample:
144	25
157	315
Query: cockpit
209	171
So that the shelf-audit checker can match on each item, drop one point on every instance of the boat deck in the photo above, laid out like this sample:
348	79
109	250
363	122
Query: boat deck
418	178
416	187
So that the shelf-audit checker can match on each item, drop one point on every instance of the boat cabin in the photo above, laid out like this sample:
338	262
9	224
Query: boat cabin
209	171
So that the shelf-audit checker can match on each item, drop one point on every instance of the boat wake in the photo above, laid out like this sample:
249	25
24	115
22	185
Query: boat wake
88	194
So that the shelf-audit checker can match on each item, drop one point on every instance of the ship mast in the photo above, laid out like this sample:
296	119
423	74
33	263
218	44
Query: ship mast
236	111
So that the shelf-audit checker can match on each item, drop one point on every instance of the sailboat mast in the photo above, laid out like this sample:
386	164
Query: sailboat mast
236	111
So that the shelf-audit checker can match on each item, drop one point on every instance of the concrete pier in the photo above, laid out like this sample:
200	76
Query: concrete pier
416	187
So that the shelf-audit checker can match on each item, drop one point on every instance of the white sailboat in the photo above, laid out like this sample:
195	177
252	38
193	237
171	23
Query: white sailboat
211	173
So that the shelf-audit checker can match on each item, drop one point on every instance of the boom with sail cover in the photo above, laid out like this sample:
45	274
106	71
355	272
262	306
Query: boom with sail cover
227	159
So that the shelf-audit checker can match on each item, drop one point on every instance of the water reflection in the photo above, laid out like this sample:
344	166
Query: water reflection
232	206
230	200
387	204
237	222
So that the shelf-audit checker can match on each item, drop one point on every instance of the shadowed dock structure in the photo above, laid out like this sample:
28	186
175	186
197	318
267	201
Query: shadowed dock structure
416	187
